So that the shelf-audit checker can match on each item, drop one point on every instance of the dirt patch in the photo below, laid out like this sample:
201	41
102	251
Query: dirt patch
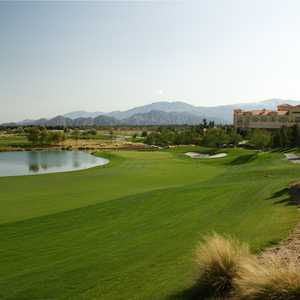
99	144
289	249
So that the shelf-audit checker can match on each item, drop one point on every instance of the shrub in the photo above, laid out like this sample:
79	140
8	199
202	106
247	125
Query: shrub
215	137
260	139
273	279
219	261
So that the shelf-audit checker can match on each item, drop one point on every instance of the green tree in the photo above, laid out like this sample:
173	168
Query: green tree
234	138
144	134
56	137
150	140
215	137
295	136
20	130
211	124
111	134
284	136
276	141
33	134
92	131
260	139
44	136
75	134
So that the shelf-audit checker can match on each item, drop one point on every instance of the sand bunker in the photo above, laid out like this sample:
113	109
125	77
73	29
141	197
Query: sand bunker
293	157
202	155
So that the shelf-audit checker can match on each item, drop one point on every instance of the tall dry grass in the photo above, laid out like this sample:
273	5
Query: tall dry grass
218	260
272	280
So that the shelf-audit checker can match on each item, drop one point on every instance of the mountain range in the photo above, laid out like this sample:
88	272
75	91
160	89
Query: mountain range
157	113
220	113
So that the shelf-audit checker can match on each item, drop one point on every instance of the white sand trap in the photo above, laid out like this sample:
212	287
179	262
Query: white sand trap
202	155
293	157
219	155
196	155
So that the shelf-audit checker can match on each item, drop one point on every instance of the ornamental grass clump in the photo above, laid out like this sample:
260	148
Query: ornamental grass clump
219	259
271	279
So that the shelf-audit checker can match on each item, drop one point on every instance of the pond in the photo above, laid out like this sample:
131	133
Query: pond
41	162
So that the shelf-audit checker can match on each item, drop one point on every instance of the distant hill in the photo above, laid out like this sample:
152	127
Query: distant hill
158	117
156	106
82	114
157	113
58	121
221	113
61	121
154	117
106	120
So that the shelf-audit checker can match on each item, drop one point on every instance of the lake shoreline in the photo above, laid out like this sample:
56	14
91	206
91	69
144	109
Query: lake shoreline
73	148
27	163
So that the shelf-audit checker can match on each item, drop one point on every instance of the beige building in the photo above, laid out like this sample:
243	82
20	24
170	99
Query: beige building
285	115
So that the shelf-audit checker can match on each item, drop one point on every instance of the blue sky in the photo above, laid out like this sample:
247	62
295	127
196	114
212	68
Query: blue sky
57	57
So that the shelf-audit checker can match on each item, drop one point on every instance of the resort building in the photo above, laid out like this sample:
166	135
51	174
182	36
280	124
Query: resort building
285	115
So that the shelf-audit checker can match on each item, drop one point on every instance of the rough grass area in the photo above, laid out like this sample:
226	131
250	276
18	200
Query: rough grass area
271	278
128	230
219	261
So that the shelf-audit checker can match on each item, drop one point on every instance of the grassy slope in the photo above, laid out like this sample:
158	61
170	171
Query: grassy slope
129	173
127	231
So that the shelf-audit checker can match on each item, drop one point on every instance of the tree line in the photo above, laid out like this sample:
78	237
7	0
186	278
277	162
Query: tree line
206	134
42	136
219	136
275	138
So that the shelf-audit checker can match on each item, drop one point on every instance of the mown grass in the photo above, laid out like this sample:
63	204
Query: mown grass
13	141
128	230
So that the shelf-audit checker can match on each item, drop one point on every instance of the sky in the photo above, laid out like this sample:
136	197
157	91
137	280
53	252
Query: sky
57	57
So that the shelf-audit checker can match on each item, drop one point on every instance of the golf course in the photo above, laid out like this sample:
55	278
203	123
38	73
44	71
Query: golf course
128	229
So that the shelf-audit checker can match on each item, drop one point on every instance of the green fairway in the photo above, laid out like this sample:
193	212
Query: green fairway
128	230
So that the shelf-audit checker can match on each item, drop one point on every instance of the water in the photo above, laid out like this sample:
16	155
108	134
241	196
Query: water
41	162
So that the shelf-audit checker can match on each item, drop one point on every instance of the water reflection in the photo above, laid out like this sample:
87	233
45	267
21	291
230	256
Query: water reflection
34	167
76	160
37	162
49	159
33	163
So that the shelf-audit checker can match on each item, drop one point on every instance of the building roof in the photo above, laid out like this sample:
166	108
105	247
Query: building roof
263	112
282	112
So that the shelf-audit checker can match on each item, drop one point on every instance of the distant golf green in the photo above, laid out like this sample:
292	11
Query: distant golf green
128	230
